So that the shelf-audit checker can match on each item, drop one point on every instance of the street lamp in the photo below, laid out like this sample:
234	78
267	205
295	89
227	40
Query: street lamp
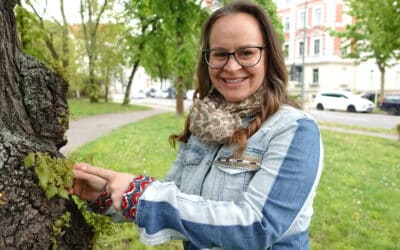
304	52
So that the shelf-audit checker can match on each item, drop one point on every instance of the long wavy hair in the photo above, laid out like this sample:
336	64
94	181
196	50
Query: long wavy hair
275	80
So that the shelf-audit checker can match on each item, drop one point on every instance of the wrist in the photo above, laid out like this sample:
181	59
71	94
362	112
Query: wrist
131	197
101	203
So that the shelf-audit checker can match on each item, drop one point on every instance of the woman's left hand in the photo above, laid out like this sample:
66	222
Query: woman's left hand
117	183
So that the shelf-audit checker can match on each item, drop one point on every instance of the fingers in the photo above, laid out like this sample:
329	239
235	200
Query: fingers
116	198
106	174
76	188
90	180
82	175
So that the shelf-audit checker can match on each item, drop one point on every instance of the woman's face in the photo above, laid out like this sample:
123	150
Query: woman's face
229	33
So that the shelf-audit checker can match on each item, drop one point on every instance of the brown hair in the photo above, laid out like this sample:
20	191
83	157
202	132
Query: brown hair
276	74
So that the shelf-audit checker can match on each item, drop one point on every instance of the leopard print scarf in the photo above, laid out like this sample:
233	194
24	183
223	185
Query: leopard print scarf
214	120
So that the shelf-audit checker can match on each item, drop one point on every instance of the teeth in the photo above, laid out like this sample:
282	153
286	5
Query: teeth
233	80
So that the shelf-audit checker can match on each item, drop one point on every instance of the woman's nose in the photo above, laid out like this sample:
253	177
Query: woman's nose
232	64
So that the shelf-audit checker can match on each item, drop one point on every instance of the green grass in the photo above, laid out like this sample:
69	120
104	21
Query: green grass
356	206
82	107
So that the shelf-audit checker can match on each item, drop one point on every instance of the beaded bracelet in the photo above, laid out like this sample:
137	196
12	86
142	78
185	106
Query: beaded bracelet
102	203
131	197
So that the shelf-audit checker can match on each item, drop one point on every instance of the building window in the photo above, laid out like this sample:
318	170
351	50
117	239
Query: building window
302	17
316	46
296	73
317	16
301	48
315	76
286	50
287	23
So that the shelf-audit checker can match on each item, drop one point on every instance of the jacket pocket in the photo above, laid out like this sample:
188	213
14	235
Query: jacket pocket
237	173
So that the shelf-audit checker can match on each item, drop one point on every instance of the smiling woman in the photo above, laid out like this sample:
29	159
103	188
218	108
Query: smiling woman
248	164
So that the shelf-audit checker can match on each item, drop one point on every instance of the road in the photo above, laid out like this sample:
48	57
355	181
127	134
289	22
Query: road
355	119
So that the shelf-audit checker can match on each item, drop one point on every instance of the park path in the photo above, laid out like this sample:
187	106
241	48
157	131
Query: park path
362	132
86	129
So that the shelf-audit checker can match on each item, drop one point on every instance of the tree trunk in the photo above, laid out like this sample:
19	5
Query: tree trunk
179	79
179	97
130	81
382	70
33	117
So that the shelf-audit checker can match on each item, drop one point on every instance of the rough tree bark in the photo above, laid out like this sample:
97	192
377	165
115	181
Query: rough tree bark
33	117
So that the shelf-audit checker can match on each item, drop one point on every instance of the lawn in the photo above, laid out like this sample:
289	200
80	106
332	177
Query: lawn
356	207
82	107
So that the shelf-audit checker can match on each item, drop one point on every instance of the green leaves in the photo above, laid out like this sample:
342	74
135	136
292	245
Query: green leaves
42	171
374	35
55	174
29	160
58	227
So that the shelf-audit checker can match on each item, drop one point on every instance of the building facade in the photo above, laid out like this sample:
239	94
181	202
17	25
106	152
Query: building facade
313	56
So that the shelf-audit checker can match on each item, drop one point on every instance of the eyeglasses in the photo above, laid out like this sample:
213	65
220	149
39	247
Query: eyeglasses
245	56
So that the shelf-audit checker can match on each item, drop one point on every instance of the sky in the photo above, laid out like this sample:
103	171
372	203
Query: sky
71	9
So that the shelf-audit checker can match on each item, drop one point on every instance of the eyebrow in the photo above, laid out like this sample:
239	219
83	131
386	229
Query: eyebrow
240	47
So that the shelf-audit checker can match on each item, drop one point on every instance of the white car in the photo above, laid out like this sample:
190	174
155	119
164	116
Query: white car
138	94
342	100
160	93
189	94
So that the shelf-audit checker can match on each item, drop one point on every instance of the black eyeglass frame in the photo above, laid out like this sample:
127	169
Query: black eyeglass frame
228	54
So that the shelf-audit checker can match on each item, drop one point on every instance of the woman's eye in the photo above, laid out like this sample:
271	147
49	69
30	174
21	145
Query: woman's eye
220	55
245	53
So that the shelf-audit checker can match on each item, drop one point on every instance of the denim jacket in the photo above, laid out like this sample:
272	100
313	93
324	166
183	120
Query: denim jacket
211	199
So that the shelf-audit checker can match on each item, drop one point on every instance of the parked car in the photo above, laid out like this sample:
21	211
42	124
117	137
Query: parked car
189	94
371	96
151	92
171	93
138	94
161	93
342	100
391	104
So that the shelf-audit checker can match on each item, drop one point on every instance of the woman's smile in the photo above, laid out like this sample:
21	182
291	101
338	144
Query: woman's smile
234	80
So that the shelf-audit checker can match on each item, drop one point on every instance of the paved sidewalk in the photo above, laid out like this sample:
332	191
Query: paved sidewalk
84	130
362	132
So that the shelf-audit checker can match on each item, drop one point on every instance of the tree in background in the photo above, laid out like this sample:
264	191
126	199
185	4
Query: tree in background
110	56
374	35
92	12
164	40
181	24
157	59
142	26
